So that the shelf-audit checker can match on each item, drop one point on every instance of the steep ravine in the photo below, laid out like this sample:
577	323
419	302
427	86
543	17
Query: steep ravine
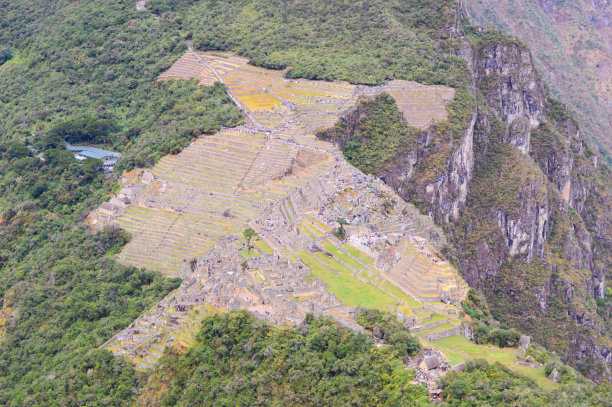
523	200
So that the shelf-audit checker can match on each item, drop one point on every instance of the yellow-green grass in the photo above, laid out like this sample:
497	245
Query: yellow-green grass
405	310
405	298
263	246
339	254
422	314
372	277
259	101
437	329
319	224
307	231
458	349
346	288
249	253
358	254
333	263
301	92
436	318
313	231
259	276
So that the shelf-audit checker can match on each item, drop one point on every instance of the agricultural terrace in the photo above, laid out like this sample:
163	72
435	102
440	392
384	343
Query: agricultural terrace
188	67
275	176
421	105
311	105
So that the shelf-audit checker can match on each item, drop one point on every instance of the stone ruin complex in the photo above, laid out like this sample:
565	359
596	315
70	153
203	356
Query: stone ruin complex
187	214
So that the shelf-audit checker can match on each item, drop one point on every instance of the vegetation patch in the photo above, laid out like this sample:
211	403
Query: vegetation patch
347	288
238	360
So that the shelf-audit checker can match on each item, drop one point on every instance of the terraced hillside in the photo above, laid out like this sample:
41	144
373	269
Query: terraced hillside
422	105
187	215
313	104
188	67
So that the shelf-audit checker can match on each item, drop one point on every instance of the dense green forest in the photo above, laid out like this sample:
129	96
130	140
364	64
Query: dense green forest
378	134
88	61
483	384
240	361
357	41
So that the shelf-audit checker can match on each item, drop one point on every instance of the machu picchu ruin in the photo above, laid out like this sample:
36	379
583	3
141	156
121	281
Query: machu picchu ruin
305	203
187	215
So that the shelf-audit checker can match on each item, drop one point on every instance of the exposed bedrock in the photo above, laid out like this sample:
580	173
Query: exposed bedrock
506	75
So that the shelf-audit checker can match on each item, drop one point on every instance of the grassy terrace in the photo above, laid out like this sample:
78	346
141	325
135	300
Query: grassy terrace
410	302
306	231
406	299
346	287
458	349
437	329
259	101
363	258
249	253
358	254
339	254
263	246
436	318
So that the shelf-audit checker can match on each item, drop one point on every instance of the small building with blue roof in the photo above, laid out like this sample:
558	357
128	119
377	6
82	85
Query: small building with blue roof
109	158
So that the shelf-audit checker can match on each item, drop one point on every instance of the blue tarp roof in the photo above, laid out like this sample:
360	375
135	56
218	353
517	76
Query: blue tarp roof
92	152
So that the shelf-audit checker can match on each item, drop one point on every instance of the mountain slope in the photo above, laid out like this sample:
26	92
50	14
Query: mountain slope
572	47
70	62
522	197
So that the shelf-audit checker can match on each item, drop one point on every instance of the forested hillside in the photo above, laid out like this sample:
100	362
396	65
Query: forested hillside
87	70
237	360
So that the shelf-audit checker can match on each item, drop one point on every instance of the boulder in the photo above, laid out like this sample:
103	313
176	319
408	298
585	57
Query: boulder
554	375
468	332
524	342
446	296
376	332
431	362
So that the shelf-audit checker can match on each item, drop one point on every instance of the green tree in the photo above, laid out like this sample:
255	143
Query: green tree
340	233
249	234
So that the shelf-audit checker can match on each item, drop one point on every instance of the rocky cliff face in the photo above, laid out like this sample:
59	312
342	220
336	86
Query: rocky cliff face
558	229
572	45
523	200
505	74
